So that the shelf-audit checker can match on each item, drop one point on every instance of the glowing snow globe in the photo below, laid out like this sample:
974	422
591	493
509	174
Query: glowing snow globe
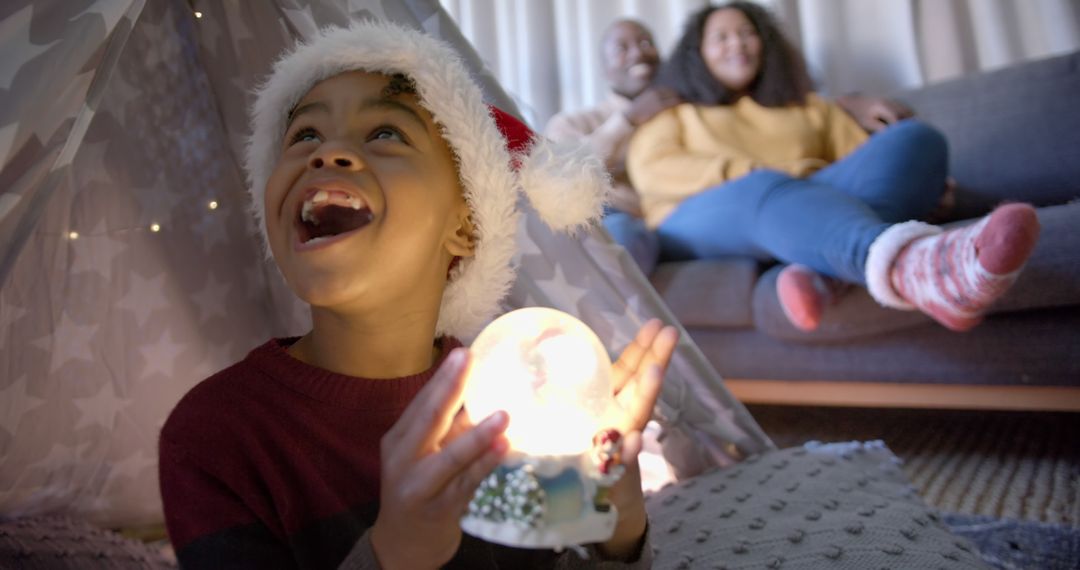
551	374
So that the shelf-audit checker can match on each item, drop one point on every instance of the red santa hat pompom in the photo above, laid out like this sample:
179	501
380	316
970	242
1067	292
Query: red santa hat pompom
498	157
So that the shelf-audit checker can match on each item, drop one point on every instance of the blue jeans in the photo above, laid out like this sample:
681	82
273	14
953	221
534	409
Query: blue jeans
630	232
826	221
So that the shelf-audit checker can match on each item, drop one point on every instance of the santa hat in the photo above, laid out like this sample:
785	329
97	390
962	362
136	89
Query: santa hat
497	156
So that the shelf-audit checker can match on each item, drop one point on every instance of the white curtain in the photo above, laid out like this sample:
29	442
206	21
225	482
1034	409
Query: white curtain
546	53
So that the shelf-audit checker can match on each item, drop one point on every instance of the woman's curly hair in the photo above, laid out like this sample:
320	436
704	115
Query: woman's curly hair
782	79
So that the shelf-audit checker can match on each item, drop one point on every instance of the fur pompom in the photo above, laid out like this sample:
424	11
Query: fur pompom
566	183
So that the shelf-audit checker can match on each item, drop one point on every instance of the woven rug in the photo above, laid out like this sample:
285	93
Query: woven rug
1009	544
1006	465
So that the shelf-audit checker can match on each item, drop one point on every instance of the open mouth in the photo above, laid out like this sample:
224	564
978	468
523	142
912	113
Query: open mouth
326	214
641	70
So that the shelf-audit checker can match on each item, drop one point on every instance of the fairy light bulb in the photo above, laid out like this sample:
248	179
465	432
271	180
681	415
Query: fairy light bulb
213	205
155	227
549	372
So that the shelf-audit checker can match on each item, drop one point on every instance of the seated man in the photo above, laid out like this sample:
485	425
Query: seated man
630	63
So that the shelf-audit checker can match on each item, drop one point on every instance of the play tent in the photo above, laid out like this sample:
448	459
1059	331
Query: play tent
129	269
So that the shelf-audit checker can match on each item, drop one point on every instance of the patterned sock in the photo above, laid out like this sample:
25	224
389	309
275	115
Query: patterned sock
956	275
804	294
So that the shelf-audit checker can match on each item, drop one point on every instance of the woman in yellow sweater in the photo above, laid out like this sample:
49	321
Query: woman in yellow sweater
754	163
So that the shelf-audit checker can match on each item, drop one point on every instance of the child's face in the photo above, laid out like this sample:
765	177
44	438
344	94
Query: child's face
364	208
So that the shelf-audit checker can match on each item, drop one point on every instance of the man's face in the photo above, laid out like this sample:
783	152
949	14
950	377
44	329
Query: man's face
364	208
630	58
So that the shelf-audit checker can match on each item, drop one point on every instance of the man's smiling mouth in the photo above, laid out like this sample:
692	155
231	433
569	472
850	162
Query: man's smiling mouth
641	70
326	214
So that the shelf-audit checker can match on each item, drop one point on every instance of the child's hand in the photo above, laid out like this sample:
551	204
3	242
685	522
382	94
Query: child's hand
638	375
428	478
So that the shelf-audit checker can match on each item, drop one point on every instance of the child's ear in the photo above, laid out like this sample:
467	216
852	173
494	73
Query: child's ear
462	243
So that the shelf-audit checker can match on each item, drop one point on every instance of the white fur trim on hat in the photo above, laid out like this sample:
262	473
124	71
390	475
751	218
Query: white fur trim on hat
566	183
478	284
883	252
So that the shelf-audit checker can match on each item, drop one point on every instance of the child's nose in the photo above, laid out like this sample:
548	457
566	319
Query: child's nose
335	155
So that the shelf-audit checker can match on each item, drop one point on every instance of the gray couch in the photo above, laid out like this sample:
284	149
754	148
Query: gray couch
1014	134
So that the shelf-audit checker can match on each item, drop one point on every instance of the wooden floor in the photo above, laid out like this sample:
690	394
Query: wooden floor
904	395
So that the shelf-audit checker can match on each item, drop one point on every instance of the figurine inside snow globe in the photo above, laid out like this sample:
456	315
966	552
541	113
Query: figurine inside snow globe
552	375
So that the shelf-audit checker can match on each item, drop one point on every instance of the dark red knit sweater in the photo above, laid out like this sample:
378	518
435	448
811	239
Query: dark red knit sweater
275	463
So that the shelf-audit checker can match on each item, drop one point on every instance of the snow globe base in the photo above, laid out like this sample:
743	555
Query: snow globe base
542	502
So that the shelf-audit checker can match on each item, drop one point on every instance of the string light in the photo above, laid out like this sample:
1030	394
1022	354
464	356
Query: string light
155	227
198	14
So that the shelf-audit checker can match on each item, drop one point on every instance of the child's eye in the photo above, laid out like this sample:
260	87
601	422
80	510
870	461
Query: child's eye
305	134
387	134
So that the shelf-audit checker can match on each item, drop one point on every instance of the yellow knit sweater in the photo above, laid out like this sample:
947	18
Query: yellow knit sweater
689	148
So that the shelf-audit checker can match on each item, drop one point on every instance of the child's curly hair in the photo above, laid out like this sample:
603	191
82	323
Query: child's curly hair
399	84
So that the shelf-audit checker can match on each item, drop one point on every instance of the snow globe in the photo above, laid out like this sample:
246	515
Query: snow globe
552	375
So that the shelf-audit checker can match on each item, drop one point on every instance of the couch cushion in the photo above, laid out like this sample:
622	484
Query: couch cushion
708	292
843	505
854	315
1013	133
1023	348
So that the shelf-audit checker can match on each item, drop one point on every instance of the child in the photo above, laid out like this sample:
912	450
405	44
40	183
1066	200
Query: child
384	188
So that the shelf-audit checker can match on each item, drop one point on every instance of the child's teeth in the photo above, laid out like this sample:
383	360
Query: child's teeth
307	209
309	205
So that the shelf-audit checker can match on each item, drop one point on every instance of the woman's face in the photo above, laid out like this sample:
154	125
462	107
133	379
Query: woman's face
731	48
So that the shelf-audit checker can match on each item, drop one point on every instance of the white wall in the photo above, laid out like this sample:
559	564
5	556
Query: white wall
546	52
